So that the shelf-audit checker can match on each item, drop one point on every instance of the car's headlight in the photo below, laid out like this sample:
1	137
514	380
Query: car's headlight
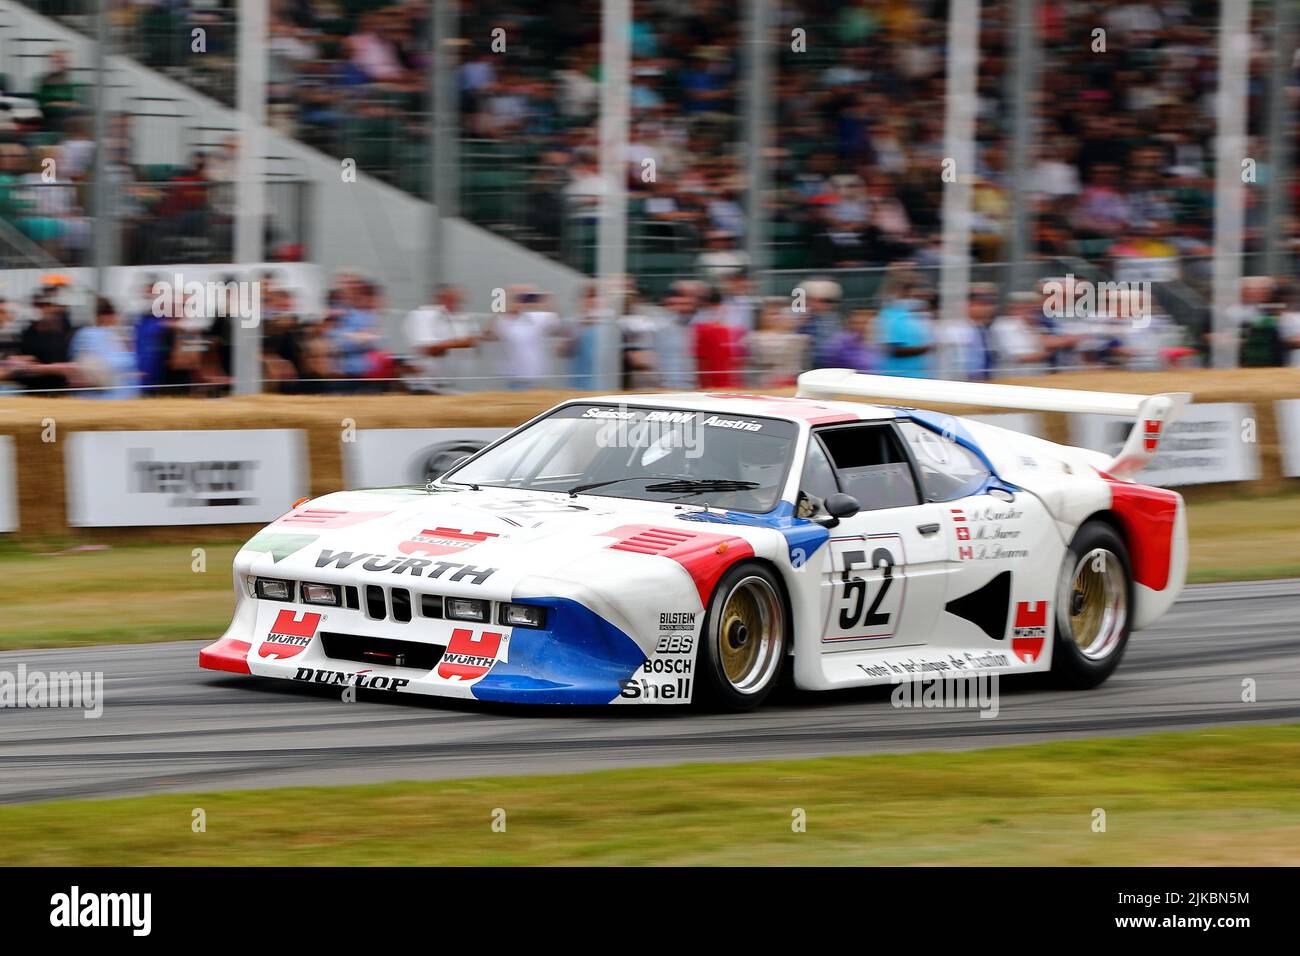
320	594
521	615
465	609
269	589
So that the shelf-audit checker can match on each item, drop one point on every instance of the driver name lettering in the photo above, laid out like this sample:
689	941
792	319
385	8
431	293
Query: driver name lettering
990	513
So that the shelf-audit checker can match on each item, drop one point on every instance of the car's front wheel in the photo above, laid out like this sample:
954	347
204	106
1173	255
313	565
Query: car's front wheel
1093	604
745	636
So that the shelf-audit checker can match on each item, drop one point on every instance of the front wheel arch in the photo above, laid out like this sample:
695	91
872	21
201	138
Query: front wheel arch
714	689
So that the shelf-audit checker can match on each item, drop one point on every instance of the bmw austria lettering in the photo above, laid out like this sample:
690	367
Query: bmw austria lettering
703	548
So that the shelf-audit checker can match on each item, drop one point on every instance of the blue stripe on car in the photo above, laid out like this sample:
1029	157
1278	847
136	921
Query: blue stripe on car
578	658
950	427
802	537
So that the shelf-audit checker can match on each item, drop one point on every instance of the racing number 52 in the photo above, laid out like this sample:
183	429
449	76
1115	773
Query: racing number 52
855	590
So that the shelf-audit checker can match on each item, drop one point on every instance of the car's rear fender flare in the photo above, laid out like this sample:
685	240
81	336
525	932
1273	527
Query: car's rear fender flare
1151	597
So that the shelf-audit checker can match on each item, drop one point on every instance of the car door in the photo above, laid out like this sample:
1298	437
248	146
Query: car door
1002	544
883	582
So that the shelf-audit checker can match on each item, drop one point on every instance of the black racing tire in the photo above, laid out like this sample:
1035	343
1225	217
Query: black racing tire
1094	607
744	641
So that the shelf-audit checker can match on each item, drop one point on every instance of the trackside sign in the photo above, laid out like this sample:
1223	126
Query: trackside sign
8	486
1208	443
1288	435
143	478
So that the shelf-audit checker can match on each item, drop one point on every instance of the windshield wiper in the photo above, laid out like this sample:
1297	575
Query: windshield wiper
689	486
592	486
683	486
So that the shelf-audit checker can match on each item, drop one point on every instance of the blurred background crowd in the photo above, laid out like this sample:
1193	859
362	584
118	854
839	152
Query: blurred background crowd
1122	165
1120	186
696	335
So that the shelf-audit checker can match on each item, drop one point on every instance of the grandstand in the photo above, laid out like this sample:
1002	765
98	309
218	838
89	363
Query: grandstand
1095	131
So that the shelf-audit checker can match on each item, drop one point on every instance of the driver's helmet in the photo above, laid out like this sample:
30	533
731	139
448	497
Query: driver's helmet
762	460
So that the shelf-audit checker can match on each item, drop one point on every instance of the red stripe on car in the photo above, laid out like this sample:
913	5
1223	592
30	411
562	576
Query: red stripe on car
227	654
704	556
1148	516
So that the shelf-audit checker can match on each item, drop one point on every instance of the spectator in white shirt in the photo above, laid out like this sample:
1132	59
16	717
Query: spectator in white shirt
522	331
1017	342
432	332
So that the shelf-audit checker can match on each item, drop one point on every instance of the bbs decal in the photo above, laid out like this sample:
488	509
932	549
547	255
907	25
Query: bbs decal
675	644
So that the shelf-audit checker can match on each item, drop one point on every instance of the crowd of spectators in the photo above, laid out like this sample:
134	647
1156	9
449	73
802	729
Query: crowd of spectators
1122	169
152	342
1121	176
182	212
701	335
698	335
1124	122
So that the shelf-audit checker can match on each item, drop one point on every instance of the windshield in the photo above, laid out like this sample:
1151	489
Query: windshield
733	462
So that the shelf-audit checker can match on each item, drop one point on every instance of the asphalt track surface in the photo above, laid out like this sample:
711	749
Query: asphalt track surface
168	726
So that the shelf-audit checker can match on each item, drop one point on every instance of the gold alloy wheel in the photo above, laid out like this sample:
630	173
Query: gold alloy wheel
1098	603
751	634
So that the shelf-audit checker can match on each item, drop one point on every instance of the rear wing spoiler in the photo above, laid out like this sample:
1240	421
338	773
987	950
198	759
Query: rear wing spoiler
1151	413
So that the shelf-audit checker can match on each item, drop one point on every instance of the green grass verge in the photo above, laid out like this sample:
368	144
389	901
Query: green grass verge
142	593
1228	796
1244	539
119	595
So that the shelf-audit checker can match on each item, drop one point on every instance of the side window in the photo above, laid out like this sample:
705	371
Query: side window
818	478
948	470
871	465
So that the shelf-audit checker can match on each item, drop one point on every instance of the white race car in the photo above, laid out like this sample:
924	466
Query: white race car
671	548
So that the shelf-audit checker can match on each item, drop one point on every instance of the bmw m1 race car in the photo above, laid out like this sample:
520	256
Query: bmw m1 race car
674	548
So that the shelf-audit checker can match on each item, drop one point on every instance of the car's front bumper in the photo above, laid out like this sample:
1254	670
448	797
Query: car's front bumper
578	657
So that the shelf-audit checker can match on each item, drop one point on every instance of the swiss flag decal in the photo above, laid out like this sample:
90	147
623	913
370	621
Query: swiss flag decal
1150	434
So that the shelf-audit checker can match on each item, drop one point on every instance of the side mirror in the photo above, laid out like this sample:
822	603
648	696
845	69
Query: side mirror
840	505
837	506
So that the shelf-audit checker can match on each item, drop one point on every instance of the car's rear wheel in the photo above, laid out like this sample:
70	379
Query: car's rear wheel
1094	598
745	637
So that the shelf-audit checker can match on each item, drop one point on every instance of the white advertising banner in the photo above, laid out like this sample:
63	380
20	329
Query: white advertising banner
8	486
1207	444
143	478
1288	435
383	457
